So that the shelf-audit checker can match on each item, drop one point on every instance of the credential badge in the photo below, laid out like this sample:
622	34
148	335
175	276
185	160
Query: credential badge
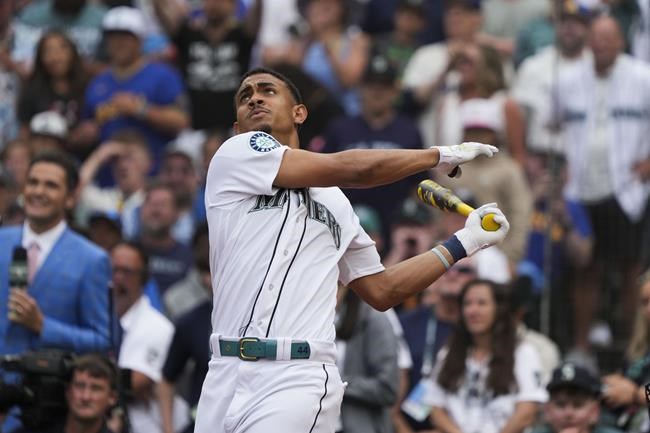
262	142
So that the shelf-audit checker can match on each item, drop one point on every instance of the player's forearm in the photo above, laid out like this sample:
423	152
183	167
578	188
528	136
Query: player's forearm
401	281
369	168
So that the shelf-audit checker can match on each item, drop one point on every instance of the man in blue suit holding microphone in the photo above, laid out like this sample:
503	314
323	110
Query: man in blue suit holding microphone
64	304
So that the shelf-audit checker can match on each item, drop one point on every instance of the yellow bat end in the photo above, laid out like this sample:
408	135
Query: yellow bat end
488	223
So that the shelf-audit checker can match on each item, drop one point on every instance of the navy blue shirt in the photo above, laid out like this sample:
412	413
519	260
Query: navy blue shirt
191	341
415	323
347	133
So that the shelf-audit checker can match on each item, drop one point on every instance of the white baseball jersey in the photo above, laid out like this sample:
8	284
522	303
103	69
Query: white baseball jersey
276	254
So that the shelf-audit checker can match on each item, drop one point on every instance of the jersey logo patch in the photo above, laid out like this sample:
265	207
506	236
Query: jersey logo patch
263	142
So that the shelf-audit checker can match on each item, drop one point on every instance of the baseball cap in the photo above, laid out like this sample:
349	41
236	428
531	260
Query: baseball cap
50	124
416	6
111	217
482	113
470	5
125	19
368	218
584	10
380	70
570	375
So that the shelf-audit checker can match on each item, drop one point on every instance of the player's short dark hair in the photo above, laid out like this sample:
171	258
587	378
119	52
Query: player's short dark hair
261	70
98	366
61	159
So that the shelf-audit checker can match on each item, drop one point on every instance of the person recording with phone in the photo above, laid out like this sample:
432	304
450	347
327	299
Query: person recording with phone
57	296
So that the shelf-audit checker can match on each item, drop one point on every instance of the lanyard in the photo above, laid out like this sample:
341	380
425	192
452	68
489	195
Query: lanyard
429	343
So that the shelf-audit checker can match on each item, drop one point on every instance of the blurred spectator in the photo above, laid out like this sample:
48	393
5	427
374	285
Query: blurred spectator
193	329
279	23
411	231
323	106
367	360
194	289
522	299
65	304
535	77
624	393
57	83
487	380
427	72
179	173
81	19
105	229
500	180
380	18
330	50
213	53
90	394
129	157
379	126
604	108
481	77
134	93
15	158
573	404
426	330
48	131
9	79
504	19
641	32
564	226
212	143
399	45
169	260
145	336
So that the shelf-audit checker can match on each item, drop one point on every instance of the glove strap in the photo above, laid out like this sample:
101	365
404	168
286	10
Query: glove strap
455	248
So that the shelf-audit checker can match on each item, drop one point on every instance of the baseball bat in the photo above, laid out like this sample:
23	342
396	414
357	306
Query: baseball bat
438	196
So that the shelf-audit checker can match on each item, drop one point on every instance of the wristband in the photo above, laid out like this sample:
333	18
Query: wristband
442	258
455	248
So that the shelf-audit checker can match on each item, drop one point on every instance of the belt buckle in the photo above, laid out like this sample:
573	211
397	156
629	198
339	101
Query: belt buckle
242	355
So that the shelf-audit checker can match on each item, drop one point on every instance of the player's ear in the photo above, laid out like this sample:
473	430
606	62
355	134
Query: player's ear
299	114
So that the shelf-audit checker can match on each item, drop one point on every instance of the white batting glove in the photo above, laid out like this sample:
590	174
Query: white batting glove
473	237
452	156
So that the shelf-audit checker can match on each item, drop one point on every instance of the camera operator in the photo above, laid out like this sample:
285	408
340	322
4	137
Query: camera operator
61	301
90	394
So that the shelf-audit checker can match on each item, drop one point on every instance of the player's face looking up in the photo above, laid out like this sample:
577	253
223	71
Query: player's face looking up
265	103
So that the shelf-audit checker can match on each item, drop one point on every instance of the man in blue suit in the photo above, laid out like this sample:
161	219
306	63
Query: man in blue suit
65	305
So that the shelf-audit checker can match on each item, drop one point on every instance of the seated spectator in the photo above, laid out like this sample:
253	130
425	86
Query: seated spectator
487	381
90	395
57	83
130	160
624	393
169	260
367	361
179	172
65	302
573	405
426	330
134	93
145	337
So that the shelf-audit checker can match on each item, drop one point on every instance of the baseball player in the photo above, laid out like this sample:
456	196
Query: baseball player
281	235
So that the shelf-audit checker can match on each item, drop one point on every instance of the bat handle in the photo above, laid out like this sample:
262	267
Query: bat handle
488	223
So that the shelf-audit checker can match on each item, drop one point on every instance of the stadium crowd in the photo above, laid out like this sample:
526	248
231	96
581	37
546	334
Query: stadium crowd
110	112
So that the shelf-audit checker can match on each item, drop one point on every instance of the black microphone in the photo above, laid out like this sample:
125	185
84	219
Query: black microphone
18	273
18	269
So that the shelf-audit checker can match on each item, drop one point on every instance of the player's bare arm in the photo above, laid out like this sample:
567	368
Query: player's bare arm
402	280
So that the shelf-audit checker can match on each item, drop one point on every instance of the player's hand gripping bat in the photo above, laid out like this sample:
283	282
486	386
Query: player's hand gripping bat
435	195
